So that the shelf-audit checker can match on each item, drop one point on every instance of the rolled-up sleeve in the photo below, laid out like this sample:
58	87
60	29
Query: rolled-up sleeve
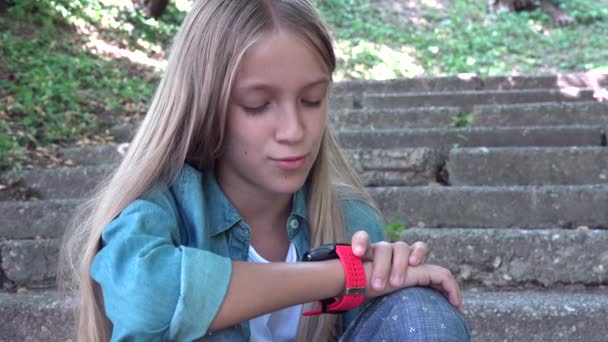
359	215
153	287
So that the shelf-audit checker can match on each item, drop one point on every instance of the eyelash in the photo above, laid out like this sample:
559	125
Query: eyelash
256	110
313	104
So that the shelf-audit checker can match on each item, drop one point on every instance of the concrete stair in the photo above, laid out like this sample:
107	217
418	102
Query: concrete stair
505	178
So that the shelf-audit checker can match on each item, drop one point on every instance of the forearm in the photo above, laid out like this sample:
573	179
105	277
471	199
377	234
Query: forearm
256	289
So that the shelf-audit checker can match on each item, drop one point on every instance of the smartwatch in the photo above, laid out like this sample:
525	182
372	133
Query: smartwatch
356	282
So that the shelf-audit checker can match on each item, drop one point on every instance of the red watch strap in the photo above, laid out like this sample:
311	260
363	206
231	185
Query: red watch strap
356	283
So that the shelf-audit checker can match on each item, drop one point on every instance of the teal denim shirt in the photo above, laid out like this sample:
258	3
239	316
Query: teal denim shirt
165	262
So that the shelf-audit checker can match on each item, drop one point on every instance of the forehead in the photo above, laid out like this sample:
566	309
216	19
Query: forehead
280	59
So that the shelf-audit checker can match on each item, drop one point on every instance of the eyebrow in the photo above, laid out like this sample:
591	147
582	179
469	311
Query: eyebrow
262	86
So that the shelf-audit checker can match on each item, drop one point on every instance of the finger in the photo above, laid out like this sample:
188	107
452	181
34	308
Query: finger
381	264
418	253
443	278
361	245
401	254
440	279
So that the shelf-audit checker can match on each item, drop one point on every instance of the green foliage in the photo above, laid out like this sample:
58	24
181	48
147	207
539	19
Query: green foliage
55	88
394	230
463	120
461	37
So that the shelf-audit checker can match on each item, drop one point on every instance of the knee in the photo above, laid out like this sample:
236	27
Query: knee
419	314
425	310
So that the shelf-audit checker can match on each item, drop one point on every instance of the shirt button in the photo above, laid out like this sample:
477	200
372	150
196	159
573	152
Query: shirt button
294	224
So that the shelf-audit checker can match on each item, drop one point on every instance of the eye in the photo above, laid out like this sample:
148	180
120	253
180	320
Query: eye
311	103
256	109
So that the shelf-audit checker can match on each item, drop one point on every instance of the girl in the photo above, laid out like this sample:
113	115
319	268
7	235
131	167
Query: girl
232	177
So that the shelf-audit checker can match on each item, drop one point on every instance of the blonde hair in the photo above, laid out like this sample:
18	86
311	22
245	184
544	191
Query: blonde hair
186	123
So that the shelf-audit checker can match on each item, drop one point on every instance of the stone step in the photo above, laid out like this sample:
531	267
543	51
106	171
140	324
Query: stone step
397	167
466	100
495	207
38	219
528	166
451	83
123	133
417	206
31	263
495	258
37	316
535	316
72	182
485	258
415	166
446	139
443	138
542	114
93	154
423	110
418	117
514	115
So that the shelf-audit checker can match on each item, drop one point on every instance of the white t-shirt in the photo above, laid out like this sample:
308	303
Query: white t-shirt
278	326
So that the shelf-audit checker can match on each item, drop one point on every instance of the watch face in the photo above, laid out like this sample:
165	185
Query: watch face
323	252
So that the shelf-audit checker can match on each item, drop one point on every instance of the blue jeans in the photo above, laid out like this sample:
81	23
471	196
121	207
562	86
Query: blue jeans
414	314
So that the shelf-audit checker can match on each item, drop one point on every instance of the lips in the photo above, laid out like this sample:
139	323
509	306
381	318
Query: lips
290	163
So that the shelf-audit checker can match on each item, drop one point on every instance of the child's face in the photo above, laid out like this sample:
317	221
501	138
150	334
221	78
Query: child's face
276	116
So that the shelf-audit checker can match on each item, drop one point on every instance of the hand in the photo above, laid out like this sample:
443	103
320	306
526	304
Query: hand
390	260
439	278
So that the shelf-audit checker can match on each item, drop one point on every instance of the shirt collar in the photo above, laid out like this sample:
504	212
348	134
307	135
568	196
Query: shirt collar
224	215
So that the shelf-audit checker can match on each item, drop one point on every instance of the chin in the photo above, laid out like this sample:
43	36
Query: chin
286	186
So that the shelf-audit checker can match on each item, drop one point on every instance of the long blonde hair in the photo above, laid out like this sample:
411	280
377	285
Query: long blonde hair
186	123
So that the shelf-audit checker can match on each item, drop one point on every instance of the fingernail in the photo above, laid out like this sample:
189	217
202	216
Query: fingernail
358	249
378	284
396	281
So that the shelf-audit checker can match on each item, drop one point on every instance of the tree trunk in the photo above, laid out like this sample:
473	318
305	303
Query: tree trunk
153	8
3	6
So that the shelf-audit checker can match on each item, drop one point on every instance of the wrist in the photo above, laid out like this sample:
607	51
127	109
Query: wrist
352	278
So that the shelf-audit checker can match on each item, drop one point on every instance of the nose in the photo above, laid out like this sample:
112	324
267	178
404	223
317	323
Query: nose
290	127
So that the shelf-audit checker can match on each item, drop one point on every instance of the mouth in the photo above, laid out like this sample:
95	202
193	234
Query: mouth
290	163
290	159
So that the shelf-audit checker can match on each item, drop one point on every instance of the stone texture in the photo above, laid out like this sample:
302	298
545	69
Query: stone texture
37	316
29	262
447	83
92	155
517	258
423	117
542	114
536	316
27	220
123	133
492	316
466	100
417	166
495	207
528	166
446	139
74	182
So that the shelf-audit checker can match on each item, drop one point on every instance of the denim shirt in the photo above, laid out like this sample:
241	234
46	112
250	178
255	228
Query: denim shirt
165	262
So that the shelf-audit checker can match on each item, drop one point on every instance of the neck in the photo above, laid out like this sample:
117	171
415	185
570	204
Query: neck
260	210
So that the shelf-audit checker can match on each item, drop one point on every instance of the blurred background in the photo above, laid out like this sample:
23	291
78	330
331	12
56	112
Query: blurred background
70	69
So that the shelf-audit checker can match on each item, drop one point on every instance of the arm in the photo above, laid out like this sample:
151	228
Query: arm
152	285
257	289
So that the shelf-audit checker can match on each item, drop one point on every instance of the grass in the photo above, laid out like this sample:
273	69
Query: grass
451	37
70	69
